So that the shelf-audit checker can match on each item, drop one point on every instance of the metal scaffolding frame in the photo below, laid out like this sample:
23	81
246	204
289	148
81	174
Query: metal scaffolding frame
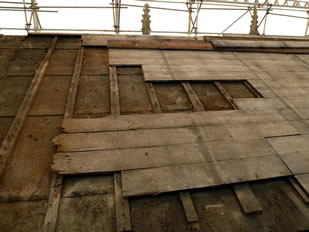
192	7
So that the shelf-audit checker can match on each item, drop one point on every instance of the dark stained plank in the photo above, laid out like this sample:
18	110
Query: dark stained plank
175	178
15	128
123	220
95	62
237	89
153	98
69	108
195	101
246	198
114	91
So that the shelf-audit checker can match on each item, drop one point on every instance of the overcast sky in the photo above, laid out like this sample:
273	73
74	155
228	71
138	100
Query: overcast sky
212	21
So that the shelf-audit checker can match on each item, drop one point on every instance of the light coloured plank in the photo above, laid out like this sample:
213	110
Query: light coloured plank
297	162
299	190
69	109
303	180
127	159
175	178
114	91
246	198
195	101
18	123
51	216
153	98
188	206
289	144
138	138
183	119
247	44
258	103
123	221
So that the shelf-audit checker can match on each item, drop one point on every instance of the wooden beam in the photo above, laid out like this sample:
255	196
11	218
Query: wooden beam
195	101
18	123
123	221
246	198
69	109
114	91
189	209
299	190
153	98
51	216
226	95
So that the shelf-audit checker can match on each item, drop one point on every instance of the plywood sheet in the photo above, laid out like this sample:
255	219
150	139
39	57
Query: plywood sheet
258	103
288	144
167	179
298	162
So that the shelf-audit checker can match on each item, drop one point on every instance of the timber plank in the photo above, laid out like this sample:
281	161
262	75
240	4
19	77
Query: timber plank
297	162
153	98
188	206
175	178
299	190
246	198
123	221
247	44
195	101
69	109
304	181
15	128
288	144
181	119
51	216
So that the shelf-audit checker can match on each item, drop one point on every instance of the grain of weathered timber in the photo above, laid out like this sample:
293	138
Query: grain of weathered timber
137	138
167	179
182	119
15	128
153	98
50	221
226	95
299	190
195	101
123	221
188	206
126	159
246	198
74	84
303	180
114	91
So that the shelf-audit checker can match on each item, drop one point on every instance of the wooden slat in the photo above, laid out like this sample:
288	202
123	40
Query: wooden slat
246	198
226	95
188	206
195	101
299	190
18	123
154	121
153	98
51	215
303	180
175	178
123	222
114	91
69	109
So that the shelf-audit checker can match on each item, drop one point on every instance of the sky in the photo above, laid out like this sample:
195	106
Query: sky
210	21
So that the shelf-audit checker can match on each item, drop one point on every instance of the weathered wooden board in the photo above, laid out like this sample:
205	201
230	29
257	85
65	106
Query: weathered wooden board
293	92
288	144
62	63
246	198
182	119
126	159
304	181
297	162
69	42
95	62
175	178
247	44
258	103
138	138
51	96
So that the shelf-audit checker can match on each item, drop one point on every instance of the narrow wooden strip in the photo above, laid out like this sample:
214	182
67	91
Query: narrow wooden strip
153	98
195	101
226	95
246	198
123	221
188	206
156	121
114	91
69	109
167	179
18	123
299	190
51	215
